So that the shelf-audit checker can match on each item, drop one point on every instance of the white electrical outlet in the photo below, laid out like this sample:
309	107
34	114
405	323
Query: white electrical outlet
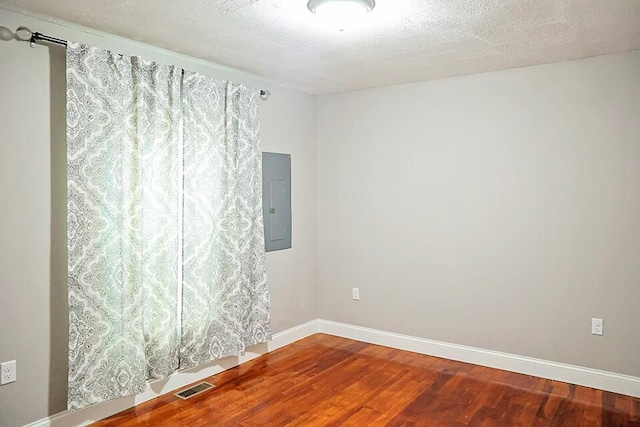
597	326
355	293
7	372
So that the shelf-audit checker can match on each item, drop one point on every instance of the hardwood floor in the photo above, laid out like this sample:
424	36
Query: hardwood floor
329	381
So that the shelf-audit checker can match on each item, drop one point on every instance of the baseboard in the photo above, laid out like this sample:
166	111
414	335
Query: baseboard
603	380
178	380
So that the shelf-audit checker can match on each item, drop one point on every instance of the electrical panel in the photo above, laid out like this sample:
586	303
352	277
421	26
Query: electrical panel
276	200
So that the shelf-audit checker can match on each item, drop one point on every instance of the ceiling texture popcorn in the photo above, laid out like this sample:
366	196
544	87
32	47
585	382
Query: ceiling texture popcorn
400	41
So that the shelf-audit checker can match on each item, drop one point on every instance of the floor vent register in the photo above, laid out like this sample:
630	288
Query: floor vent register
194	391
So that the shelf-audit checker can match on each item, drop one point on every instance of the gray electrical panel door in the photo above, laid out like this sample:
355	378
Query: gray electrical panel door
276	200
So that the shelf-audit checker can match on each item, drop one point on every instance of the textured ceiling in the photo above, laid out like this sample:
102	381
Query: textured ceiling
401	41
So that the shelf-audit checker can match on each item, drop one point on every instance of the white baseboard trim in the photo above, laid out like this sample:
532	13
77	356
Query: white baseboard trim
178	380
603	380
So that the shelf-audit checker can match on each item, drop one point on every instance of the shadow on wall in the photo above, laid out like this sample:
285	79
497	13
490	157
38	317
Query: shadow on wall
59	322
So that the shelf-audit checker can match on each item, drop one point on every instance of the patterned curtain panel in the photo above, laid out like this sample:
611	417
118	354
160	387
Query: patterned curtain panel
225	297
123	116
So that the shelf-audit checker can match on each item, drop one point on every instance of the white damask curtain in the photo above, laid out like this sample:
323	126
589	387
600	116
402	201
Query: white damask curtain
131	315
226	303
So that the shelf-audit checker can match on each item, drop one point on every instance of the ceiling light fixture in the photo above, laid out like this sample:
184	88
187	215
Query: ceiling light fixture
341	13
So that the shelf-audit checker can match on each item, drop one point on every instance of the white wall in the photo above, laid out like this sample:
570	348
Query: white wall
33	313
499	210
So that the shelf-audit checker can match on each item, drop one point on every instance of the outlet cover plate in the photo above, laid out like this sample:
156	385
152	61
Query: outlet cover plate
7	372
355	293
597	326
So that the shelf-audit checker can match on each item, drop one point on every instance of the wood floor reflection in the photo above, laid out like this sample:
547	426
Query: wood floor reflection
329	381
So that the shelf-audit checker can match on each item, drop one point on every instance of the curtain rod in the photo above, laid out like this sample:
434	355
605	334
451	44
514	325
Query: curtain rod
33	38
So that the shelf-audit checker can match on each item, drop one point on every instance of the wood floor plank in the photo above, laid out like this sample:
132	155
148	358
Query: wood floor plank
330	381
